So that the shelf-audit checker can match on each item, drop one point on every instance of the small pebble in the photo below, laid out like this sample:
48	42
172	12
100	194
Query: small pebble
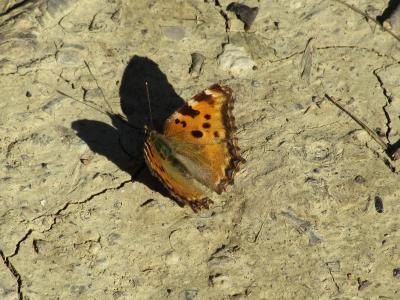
197	64
298	106
379	204
69	57
236	60
396	273
362	284
189	294
380	132
359	179
244	13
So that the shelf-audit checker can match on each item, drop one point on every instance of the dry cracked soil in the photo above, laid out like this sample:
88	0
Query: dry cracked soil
313	214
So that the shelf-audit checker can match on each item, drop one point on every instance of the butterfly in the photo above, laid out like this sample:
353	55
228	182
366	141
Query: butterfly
197	151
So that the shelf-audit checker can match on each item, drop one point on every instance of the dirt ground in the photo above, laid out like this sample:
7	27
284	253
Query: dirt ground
313	214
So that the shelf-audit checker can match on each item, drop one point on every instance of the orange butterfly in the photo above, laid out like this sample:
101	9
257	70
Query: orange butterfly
197	151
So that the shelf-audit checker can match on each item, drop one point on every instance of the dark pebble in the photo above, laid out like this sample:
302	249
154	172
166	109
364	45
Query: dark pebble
379	204
396	273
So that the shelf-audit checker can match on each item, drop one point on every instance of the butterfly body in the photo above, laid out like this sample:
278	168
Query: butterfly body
197	151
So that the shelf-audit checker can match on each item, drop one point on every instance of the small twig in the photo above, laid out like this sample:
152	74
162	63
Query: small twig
258	232
333	278
357	10
372	133
393	151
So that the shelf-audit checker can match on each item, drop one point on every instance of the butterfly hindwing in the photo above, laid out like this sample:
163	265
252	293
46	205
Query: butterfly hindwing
172	173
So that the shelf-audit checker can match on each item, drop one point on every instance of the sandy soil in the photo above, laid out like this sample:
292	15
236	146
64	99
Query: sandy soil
82	218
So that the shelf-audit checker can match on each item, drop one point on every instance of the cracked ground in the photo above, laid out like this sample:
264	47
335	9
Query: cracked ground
313	213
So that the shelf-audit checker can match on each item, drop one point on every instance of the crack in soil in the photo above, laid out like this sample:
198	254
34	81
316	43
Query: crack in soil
388	103
355	47
333	278
18	245
14	272
221	11
6	259
386	161
286	57
333	47
91	197
10	266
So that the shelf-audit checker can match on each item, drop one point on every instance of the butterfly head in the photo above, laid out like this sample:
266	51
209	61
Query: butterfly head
158	142
148	133
146	130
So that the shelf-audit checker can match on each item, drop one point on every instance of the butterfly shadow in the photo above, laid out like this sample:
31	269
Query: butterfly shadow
123	142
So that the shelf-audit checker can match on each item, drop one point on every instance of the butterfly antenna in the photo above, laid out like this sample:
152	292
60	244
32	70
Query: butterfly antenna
148	101
110	113
98	86
83	102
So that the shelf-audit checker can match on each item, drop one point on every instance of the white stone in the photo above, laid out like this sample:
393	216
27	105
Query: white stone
236	60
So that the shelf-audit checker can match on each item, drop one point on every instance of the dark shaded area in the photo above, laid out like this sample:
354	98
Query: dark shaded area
21	5
123	142
396	272
393	150
134	103
244	13
378	204
392	6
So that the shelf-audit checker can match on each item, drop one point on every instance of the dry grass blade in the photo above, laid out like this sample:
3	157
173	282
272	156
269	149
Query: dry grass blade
306	61
357	10
372	133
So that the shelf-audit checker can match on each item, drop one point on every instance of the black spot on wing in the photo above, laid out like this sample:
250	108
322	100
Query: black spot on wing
187	110
204	97
207	116
206	125
183	124
216	134
197	133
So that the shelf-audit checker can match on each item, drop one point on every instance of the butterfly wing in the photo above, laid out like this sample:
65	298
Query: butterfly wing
175	176
206	122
